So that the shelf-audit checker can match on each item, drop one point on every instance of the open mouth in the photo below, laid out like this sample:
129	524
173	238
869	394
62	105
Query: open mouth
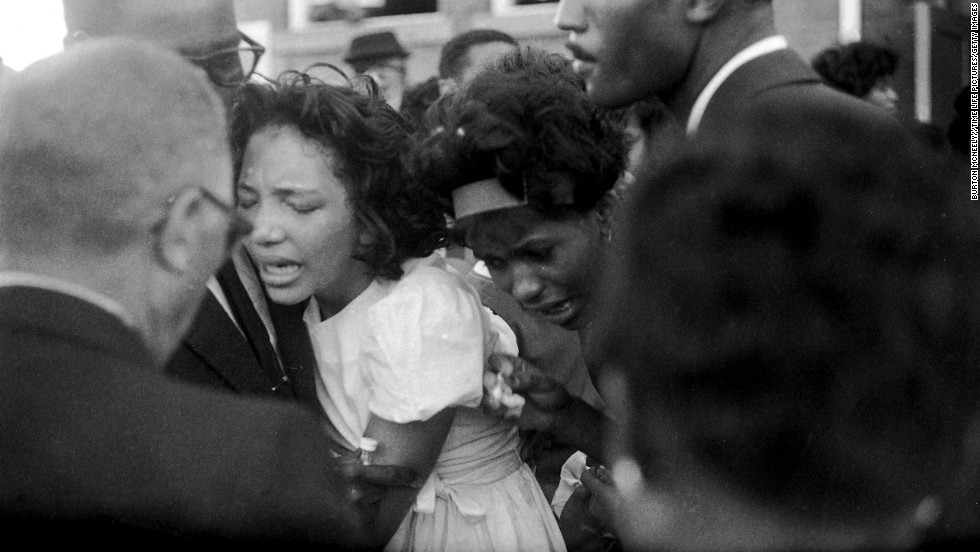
279	273
557	313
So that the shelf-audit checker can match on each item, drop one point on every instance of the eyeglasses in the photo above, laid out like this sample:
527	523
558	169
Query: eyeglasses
238	226
232	66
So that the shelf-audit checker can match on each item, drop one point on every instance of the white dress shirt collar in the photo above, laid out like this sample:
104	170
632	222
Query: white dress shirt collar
759	49
50	283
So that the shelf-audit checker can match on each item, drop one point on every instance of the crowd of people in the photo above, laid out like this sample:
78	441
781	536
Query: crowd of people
679	290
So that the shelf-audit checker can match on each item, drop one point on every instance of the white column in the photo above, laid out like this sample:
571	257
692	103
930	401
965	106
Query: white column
299	14
849	21
923	61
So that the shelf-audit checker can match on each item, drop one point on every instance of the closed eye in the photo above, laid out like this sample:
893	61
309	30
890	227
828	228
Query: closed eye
304	209
494	263
533	255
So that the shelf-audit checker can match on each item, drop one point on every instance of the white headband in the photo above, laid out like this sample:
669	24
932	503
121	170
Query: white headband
482	196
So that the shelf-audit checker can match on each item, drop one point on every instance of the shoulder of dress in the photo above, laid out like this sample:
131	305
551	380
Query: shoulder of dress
433	276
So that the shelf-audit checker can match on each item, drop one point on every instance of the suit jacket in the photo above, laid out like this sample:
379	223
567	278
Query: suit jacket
239	358
98	445
782	85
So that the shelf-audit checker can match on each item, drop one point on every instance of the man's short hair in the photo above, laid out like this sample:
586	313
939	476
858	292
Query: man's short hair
94	140
453	57
855	68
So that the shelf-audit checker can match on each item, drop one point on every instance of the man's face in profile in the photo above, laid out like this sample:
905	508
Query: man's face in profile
628	50
389	74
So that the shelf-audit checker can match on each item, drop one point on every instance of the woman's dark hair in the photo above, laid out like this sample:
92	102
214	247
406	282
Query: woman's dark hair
368	142
417	98
527	122
855	68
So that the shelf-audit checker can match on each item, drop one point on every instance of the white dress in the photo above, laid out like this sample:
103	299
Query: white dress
404	350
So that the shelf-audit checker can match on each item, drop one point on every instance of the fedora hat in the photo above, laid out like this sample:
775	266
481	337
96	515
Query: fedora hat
374	46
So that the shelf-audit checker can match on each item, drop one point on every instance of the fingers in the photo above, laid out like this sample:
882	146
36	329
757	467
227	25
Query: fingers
501	363
605	497
384	476
598	482
365	499
524	377
498	398
521	377
518	373
367	485
366	494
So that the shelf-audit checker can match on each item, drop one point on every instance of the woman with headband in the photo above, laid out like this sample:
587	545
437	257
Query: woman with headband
528	163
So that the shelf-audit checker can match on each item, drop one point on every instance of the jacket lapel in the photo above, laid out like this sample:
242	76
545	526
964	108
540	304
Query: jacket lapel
220	344
251	325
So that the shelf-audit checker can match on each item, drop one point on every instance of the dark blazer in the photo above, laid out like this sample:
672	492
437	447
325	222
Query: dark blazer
241	359
782	83
97	445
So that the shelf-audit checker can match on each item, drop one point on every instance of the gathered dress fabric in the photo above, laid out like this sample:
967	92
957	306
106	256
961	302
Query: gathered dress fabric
406	349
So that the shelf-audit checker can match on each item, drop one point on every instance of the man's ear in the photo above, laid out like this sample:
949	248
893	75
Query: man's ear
601	217
178	240
699	12
75	37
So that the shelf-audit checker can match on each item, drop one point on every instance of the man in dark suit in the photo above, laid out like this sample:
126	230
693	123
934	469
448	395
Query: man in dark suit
115	209
714	63
232	343
721	69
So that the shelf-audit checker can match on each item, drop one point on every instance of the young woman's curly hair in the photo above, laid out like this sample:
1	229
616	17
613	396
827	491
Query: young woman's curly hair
527	122
368	142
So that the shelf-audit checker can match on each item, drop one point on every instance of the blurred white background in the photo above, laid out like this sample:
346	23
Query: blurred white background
29	30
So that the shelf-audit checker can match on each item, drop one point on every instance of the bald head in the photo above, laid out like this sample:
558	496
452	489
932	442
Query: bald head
4	70
94	140
189	26
203	31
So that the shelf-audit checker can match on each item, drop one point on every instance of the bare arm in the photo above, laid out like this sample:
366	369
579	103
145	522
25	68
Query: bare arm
415	445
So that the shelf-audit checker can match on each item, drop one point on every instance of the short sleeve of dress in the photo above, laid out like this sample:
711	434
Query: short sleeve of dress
423	351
